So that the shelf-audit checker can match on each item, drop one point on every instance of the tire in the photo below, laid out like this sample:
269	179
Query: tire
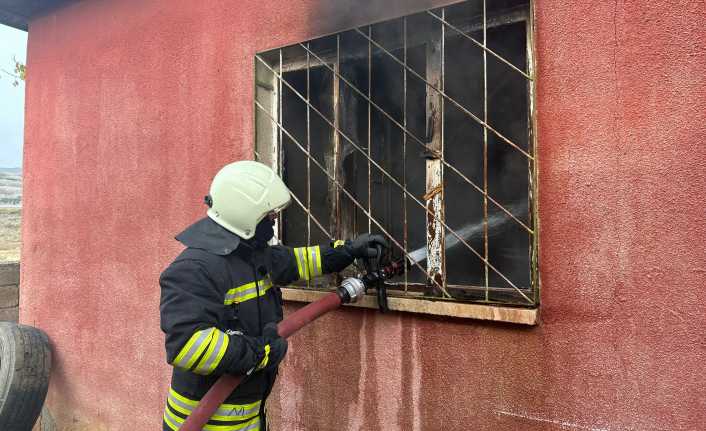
25	363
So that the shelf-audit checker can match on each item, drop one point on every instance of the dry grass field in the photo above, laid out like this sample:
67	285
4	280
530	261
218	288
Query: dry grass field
10	213
10	234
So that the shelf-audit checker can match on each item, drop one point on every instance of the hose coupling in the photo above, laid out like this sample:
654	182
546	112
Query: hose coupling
351	289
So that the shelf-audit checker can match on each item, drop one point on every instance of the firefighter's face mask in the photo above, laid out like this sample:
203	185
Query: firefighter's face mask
265	230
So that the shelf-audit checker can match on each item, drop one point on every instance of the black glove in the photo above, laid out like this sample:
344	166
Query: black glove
274	346
365	245
250	353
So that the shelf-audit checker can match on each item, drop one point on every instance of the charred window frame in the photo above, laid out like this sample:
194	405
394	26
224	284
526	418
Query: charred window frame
420	128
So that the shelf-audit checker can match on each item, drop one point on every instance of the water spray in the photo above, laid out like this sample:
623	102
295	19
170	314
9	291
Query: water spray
468	232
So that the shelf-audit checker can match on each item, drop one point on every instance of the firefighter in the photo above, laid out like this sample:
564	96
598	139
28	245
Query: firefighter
219	298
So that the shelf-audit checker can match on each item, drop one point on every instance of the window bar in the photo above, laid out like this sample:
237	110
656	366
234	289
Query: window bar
485	153
280	147
308	148
483	45
417	140
392	179
313	217
335	201
370	98
442	195
404	151
266	148
346	192
447	97
434	195
258	158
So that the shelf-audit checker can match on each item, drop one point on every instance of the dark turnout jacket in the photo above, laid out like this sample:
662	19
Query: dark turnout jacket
216	297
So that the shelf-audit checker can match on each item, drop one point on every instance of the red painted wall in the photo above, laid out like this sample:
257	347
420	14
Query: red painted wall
133	105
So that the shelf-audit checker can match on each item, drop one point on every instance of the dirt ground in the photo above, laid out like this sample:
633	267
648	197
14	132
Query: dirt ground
10	234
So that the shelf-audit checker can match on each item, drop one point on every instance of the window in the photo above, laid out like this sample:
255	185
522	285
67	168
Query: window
419	128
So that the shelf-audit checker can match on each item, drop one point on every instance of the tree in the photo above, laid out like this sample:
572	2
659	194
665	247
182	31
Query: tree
18	74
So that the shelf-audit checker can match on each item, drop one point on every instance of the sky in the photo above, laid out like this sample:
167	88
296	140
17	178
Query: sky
12	99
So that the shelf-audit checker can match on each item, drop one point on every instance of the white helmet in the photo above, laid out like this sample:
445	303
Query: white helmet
243	193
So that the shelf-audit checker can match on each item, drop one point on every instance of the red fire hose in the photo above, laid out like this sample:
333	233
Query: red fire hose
351	289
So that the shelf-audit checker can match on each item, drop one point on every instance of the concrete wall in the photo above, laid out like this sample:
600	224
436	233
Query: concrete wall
9	291
133	105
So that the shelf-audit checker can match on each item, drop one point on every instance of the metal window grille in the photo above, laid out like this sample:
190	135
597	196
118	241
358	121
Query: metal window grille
420	128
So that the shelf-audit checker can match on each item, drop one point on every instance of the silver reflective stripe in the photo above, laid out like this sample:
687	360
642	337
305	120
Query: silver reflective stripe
214	354
253	426
314	261
243	295
301	256
251	291
199	341
228	412
171	420
235	413
247	291
181	404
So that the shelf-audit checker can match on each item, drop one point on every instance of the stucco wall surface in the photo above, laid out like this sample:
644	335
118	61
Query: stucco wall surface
132	106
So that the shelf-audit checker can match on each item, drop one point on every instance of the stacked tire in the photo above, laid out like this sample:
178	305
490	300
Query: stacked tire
25	364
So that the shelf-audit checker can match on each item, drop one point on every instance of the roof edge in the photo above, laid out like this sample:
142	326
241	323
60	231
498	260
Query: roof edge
18	13
14	20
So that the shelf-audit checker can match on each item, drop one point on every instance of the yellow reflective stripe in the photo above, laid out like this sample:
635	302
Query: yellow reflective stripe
302	266
297	258
175	422
169	419
182	398
234	293
213	355
338	243
311	261
251	425
185	410
247	291
216	339
318	256
252	406
253	293
193	348
225	412
308	262
248	286
242	412
266	359
221	352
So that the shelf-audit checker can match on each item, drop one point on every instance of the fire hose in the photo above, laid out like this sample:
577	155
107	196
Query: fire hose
351	290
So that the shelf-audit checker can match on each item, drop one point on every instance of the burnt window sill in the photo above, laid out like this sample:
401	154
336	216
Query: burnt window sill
523	316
